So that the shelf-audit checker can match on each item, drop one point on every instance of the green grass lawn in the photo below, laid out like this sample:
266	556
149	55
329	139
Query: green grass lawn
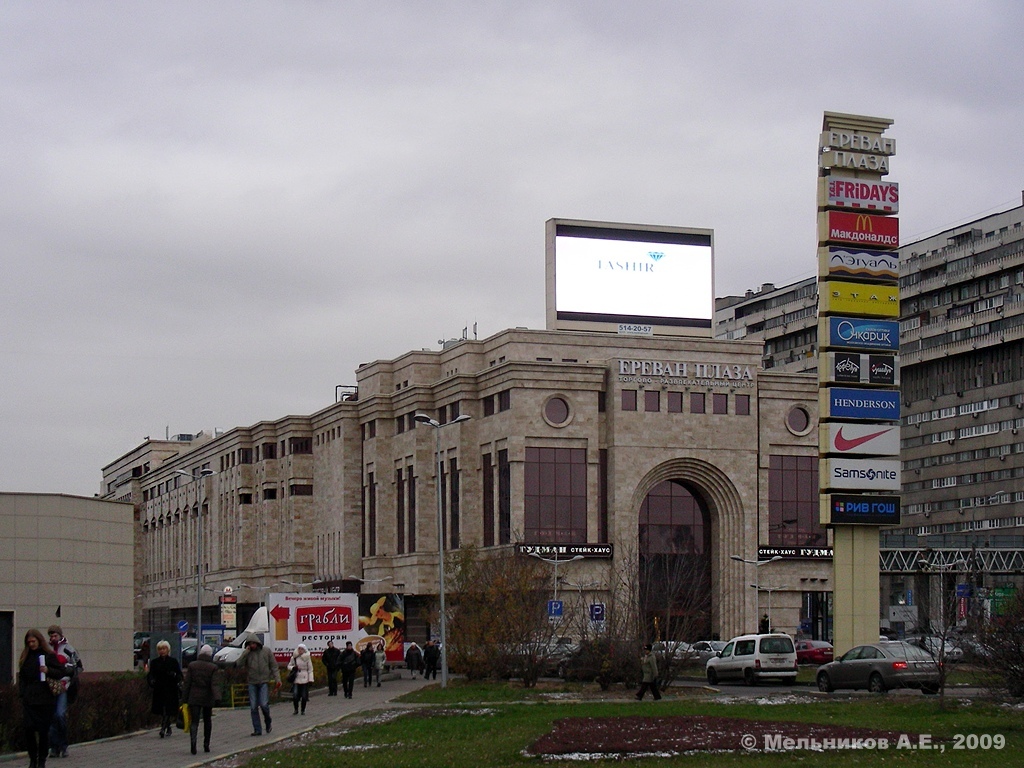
478	725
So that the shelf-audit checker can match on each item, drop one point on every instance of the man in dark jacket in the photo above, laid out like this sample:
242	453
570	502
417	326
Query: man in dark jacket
349	661
431	658
261	670
332	661
414	659
367	658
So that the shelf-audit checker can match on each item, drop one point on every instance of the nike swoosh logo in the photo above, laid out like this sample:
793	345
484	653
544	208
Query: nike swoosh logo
842	444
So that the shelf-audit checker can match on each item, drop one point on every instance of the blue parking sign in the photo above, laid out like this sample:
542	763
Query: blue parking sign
555	608
597	611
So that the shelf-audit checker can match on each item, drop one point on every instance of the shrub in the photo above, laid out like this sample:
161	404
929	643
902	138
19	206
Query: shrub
108	704
606	661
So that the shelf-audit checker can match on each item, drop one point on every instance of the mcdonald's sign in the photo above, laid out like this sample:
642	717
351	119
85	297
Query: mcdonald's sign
881	232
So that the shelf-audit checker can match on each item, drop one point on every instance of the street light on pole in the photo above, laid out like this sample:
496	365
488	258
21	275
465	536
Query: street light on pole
423	418
758	564
555	562
202	474
769	590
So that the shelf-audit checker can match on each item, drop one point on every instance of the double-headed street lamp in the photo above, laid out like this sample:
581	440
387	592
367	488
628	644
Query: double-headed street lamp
423	418
201	475
758	564
556	562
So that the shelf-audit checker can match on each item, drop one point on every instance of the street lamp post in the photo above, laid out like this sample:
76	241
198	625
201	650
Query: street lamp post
555	562
758	564
423	418
769	590
203	473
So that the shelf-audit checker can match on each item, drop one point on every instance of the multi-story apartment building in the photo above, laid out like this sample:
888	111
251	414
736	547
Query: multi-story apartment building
962	369
784	319
621	447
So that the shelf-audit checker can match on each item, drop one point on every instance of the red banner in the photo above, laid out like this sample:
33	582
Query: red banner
863	229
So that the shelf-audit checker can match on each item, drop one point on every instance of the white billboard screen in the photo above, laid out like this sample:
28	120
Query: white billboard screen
641	276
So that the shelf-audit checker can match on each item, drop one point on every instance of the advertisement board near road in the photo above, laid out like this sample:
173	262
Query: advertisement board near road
314	618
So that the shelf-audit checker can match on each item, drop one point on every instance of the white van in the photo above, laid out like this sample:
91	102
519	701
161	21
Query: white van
752	658
257	628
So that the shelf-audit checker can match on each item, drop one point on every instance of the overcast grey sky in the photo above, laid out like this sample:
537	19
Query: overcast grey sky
213	212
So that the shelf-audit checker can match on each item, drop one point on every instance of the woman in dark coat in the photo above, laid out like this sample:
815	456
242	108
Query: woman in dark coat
37	700
163	677
200	695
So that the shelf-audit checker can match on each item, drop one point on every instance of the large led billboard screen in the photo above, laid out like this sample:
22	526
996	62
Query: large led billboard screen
607	276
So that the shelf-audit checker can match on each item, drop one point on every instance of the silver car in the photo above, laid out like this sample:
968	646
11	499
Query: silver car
881	667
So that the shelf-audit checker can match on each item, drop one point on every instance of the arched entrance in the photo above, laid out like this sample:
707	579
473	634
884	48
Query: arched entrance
675	562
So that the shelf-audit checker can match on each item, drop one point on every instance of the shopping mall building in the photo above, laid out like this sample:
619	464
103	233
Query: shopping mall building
623	449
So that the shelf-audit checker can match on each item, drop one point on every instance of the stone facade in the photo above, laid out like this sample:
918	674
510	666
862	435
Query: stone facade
630	412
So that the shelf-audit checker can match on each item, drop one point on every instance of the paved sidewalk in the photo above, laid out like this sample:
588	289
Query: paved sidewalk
231	731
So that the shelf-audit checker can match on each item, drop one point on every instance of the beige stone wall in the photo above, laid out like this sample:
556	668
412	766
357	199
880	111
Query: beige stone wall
724	457
76	553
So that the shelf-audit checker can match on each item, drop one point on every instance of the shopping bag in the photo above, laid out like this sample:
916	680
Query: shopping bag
184	719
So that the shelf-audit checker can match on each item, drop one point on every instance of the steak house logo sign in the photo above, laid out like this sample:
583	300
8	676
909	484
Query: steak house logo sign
685	374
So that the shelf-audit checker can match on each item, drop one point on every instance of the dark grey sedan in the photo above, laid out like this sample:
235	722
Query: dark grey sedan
881	667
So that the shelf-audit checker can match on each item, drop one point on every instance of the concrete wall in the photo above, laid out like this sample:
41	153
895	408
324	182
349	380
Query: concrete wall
75	553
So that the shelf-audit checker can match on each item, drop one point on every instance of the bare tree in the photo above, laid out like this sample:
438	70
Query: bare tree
497	620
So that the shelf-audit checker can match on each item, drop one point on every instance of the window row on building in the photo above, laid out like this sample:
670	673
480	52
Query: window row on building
674	402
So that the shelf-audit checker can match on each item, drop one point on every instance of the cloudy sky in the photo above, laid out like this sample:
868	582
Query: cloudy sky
211	213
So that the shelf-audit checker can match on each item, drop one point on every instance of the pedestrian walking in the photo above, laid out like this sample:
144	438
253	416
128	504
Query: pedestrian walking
38	666
332	663
164	677
261	672
302	663
68	656
349	664
379	657
649	668
431	658
366	659
201	695
414	659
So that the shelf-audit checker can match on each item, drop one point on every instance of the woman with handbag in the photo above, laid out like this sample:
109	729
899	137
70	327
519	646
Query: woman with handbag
39	682
164	677
300	673
201	695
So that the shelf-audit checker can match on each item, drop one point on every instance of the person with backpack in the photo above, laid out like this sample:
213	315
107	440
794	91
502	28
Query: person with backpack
73	664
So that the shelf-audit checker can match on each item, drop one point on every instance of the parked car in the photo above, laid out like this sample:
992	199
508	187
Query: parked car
140	647
933	645
703	650
752	658
813	652
881	667
188	651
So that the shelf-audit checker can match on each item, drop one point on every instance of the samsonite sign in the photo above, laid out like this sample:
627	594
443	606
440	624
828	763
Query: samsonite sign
859	509
862	194
860	333
861	474
860	368
869	300
882	232
864	404
860	439
858	263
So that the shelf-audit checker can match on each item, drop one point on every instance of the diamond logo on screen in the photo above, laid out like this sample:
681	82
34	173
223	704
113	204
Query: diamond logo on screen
656	255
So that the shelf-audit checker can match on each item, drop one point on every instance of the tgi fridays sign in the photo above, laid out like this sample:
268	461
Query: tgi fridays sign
685	374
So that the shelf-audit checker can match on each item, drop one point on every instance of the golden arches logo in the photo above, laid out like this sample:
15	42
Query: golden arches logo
864	223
